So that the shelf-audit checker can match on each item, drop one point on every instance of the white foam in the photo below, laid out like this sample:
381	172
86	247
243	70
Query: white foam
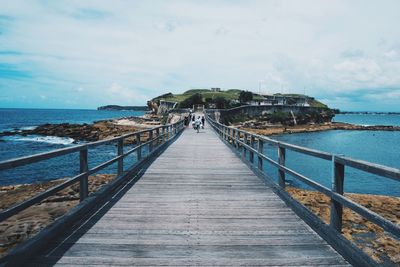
55	140
28	128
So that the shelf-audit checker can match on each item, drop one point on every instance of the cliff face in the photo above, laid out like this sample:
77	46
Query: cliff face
277	114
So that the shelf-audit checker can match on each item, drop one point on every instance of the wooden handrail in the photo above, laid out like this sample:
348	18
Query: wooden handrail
12	163
169	132
231	136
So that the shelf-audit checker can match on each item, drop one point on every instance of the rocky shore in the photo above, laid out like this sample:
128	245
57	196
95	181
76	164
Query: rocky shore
90	132
29	222
366	235
268	129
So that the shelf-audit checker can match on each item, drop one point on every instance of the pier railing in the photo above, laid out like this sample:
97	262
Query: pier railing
155	138
245	142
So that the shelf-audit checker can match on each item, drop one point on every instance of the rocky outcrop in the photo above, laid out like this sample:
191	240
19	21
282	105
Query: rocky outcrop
79	132
265	128
367	236
273	114
29	222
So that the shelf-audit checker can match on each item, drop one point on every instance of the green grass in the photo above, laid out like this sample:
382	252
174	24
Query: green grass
230	94
206	93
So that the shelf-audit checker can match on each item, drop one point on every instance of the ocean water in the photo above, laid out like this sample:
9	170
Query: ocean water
369	119
14	119
64	166
374	146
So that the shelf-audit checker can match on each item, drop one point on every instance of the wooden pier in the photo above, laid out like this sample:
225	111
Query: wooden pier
195	199
197	204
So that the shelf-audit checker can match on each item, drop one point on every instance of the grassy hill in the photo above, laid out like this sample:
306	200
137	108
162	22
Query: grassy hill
228	98
232	94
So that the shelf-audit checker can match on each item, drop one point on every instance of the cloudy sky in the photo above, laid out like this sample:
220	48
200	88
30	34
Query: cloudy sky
83	54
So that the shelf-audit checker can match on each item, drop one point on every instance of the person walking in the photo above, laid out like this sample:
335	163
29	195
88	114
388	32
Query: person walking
203	121
197	124
193	120
186	121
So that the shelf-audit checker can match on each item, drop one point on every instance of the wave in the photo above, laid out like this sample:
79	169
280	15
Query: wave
54	140
27	128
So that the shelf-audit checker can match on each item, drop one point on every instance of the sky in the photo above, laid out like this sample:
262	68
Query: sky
84	54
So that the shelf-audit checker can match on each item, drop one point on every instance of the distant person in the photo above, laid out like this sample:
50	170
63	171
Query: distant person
186	121
203	121
197	124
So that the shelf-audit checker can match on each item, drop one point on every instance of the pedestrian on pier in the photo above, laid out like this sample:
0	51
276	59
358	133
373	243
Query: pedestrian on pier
186	121
197	124
203	121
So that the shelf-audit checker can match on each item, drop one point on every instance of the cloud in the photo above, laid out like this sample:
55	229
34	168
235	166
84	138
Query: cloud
360	70
91	14
352	53
166	26
130	51
13	71
221	31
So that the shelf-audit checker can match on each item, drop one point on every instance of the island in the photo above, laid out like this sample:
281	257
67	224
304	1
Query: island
116	107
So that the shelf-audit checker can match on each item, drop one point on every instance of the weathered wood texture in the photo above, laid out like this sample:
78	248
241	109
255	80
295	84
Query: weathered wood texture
198	204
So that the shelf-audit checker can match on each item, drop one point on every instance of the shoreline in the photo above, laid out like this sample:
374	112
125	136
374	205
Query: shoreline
268	130
98	130
32	220
366	235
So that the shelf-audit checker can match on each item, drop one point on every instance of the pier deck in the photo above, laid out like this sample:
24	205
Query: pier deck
197	204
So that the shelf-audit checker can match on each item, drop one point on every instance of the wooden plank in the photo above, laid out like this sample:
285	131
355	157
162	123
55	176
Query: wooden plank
112	261
197	204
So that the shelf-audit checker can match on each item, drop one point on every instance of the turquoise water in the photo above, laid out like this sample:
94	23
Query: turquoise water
374	146
65	166
369	119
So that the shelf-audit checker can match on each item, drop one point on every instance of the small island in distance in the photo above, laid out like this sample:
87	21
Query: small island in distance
117	107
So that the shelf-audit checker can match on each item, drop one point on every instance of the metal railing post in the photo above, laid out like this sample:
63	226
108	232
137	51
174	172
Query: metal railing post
338	187
243	146
121	160
139	150
83	167
158	136
150	141
224	131
281	161
237	135
251	151
260	151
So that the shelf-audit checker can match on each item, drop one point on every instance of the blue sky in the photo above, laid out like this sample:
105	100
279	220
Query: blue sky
83	54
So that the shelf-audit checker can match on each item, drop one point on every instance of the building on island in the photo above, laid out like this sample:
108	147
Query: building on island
295	100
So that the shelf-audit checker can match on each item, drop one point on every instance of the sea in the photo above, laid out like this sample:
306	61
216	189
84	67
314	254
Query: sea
382	147
65	166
